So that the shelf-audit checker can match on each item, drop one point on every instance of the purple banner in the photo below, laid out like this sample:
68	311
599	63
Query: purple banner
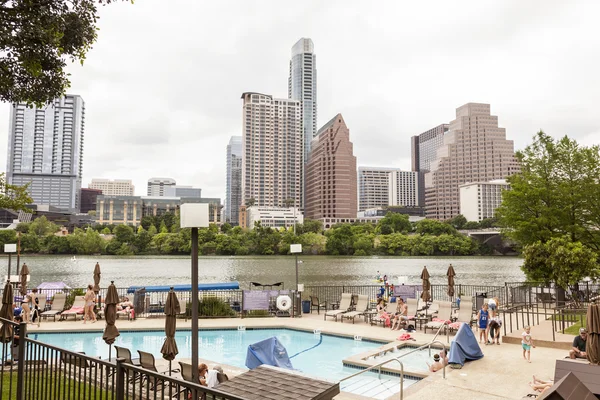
407	291
256	299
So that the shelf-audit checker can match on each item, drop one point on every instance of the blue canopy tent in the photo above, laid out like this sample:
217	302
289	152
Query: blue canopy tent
270	352
464	347
186	288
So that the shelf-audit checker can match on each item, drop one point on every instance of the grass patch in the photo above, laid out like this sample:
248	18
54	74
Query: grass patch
67	388
574	329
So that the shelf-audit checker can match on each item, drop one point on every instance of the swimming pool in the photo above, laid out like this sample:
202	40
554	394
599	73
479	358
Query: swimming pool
228	347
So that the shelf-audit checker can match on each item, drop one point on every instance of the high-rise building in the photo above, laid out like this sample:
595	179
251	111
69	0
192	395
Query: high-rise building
156	186
233	189
479	200
475	149
89	200
182	191
302	86
272	151
331	173
404	188
424	147
45	150
117	187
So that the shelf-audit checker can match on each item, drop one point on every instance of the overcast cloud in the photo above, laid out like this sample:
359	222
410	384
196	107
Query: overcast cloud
162	85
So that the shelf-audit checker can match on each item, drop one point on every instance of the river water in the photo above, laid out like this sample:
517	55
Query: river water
313	270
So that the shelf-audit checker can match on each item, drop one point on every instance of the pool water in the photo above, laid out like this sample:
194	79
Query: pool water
228	347
416	361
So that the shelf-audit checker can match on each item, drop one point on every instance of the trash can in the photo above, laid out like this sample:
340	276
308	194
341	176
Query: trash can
479	299
305	306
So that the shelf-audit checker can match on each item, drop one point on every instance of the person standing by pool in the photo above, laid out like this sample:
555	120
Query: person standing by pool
492	306
483	317
25	308
527	343
381	293
88	311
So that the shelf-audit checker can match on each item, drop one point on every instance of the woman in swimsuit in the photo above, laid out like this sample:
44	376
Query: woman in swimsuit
88	311
25	308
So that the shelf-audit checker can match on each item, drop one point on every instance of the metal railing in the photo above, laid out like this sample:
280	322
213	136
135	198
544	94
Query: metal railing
378	366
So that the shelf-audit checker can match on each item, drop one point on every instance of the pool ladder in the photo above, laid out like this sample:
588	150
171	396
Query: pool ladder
378	366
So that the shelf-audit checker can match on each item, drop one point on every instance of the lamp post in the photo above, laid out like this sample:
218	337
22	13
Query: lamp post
194	216
295	249
10	248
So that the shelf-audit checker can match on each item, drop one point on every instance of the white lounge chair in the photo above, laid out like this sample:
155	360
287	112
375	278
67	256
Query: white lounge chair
76	309
344	307
58	304
361	306
390	308
444	313
464	316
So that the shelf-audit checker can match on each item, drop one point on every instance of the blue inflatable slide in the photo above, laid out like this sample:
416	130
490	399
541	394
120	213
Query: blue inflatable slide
270	352
463	348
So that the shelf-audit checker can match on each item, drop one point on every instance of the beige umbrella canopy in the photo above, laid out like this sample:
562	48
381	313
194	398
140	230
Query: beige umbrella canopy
6	312
24	273
169	349
592	347
451	274
97	279
425	296
110	314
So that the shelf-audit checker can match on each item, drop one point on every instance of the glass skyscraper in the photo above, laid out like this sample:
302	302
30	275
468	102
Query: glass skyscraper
45	150
233	190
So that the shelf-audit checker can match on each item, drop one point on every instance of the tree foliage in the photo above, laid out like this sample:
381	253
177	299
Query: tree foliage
394	223
37	38
557	193
12	197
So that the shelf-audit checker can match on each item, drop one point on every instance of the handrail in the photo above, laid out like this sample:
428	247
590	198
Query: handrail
378	366
447	332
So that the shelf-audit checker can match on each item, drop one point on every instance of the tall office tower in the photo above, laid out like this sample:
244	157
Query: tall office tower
331	173
117	187
373	187
233	190
404	188
272	151
423	152
182	191
45	149
156	186
475	149
302	86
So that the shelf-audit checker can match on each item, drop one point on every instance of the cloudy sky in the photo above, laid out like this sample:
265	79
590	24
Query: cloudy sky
162	85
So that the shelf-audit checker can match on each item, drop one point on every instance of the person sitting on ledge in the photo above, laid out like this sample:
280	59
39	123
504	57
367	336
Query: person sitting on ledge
578	349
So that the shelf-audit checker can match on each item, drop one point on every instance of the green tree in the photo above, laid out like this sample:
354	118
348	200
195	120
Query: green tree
42	227
142	241
310	225
124	233
556	193
394	223
340	240
7	236
457	222
124	250
152	230
226	227
561	261
30	243
36	40
23	227
433	227
471	225
163	227
106	231
58	245
12	197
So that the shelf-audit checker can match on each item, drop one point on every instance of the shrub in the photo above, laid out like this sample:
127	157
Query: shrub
211	307
71	297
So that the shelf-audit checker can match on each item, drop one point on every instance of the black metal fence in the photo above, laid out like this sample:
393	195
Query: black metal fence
35	370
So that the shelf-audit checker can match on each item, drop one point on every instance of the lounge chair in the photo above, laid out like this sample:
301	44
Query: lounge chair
314	303
390	308
75	310
464	316
125	354
58	304
361	306
444	315
344	307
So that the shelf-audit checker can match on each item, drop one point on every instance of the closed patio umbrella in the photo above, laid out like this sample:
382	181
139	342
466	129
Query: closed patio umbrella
110	314
451	275
169	349
97	283
592	346
24	273
425	296
6	312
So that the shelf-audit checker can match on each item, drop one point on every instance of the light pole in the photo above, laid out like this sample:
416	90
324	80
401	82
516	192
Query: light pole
296	249
10	248
194	216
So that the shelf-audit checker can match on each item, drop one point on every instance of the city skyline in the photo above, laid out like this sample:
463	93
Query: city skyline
375	71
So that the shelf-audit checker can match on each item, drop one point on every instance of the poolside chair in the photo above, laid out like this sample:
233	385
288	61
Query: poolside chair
344	307
147	361
123	352
75	310
412	306
444	315
390	308
362	305
464	316
314	303
72	360
58	304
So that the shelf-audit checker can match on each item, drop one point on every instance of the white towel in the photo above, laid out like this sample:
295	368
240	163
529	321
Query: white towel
211	378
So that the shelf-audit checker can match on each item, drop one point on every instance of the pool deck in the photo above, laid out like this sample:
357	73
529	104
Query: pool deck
501	374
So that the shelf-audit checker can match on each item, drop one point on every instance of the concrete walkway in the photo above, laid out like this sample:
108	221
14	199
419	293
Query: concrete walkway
501	374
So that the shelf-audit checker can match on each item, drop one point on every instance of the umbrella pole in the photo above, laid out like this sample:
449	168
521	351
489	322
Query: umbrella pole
109	349
170	369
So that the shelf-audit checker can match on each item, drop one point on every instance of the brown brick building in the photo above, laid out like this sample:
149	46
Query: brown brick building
331	173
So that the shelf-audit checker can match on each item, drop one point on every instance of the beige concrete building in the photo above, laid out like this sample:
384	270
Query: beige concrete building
331	173
475	150
272	151
116	187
